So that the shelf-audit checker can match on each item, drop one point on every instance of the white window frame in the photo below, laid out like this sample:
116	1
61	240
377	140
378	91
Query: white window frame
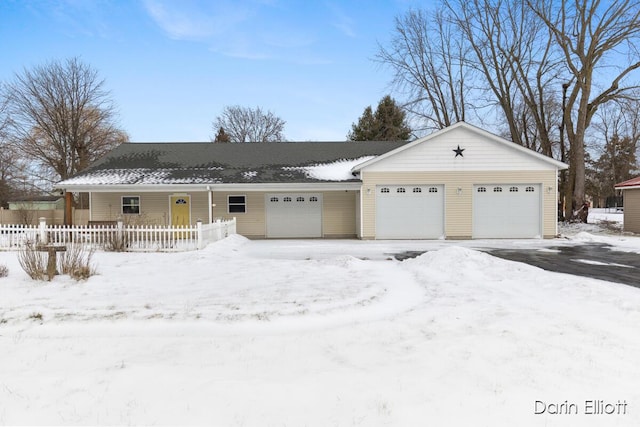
122	205
229	204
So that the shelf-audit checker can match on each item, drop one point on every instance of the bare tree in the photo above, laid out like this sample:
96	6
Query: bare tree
61	117
9	161
598	42
11	174
245	124
513	58
426	54
616	129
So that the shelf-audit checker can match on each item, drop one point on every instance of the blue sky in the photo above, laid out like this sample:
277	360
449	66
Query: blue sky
172	66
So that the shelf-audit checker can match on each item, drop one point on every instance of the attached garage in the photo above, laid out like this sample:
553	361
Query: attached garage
409	211
293	215
487	187
507	211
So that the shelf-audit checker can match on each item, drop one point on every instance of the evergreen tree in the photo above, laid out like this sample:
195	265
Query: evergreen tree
388	123
222	136
617	163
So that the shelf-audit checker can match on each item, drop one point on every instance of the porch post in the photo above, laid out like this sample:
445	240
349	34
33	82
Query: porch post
68	211
210	199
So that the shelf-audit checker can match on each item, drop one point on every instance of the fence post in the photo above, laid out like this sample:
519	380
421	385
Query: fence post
43	230
120	231
199	231
218	229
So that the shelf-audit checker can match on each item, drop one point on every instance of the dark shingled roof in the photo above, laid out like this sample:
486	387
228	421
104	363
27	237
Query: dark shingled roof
192	163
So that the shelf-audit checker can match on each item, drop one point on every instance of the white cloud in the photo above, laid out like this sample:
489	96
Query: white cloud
342	21
247	29
195	20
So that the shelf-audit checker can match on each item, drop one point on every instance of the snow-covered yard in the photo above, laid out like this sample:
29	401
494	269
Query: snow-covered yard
318	333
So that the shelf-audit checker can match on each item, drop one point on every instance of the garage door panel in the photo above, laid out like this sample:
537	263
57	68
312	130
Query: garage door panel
507	211
293	215
410	212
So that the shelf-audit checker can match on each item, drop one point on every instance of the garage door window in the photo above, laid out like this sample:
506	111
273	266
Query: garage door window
237	204
274	199
513	189
497	189
433	189
417	190
401	190
300	199
530	189
286	199
482	189
313	199
384	190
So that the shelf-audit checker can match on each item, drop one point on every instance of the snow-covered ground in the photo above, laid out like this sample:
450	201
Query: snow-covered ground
322	333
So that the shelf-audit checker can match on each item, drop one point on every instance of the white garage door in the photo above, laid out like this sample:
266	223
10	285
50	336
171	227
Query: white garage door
294	215
507	211
409	211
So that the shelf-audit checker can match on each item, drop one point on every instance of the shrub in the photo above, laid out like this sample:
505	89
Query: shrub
76	261
4	271
33	262
116	242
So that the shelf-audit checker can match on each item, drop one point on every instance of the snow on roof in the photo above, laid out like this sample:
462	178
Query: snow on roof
140	176
334	171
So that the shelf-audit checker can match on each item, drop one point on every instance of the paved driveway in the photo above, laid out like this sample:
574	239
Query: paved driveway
589	260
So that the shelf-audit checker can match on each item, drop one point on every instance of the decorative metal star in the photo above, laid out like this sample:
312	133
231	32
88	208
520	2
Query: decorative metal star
459	151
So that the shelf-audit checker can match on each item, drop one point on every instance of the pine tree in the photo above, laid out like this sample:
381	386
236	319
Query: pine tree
388	123
617	163
222	136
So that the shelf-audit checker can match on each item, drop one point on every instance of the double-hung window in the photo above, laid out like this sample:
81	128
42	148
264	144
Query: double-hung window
131	205
237	204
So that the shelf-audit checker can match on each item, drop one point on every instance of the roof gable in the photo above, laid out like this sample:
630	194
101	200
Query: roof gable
460	147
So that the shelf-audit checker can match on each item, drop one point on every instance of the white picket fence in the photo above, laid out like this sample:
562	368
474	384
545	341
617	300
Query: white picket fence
144	238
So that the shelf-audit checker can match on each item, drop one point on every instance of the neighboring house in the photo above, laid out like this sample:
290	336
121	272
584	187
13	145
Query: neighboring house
37	203
631	195
458	183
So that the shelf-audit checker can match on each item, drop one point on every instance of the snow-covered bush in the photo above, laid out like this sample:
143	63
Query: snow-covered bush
4	271
76	261
33	262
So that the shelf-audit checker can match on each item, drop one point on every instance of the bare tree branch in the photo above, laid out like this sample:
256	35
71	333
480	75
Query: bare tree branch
243	124
426	55
591	35
61	117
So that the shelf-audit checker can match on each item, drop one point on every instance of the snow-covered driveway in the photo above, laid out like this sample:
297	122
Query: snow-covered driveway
277	333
